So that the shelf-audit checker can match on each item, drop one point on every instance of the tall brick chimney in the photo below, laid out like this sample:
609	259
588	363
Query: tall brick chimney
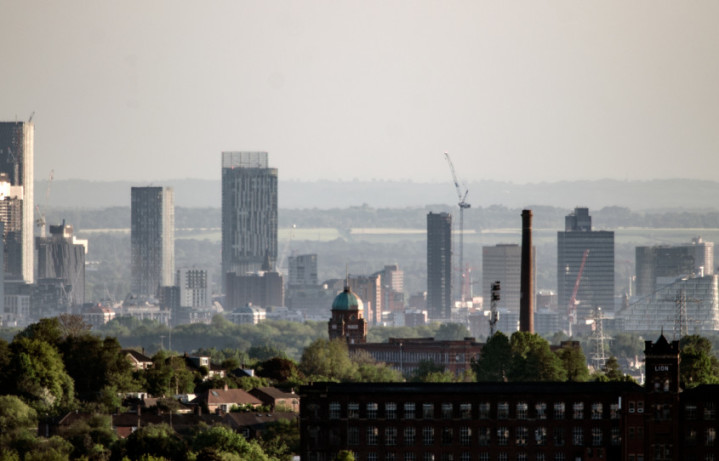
526	303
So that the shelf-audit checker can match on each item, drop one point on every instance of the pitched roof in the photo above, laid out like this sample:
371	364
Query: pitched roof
273	393
252	419
220	396
136	355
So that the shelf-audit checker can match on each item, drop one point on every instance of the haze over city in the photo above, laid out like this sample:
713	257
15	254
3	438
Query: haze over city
520	92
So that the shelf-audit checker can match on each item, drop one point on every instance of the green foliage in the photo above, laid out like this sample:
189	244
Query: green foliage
345	455
612	372
494	359
53	449
16	415
698	364
221	440
626	345
40	375
281	439
47	330
169	375
155	440
91	438
532	359
524	357
451	331
574	363
278	369
325	360
429	372
95	364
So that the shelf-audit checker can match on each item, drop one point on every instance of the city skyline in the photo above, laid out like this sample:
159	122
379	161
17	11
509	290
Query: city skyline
378	90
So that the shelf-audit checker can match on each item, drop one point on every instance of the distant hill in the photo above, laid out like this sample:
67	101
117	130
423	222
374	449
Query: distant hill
636	195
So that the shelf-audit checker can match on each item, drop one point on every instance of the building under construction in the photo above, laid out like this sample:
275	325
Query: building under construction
16	200
689	305
61	263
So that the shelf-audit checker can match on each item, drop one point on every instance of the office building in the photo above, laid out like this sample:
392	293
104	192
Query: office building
503	263
152	239
264	289
596	286
439	265
249	212
61	257
658	266
302	271
16	198
193	287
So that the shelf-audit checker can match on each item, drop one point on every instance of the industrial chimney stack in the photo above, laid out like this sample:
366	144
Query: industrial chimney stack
526	303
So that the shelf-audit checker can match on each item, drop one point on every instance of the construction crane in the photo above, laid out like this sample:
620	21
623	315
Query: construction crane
462	192
572	309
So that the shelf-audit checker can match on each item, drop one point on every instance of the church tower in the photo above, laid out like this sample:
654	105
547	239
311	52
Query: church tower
347	321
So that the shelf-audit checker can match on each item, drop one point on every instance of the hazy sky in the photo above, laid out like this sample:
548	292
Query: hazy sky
516	91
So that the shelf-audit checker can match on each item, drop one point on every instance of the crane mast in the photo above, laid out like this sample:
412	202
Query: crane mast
462	192
573	300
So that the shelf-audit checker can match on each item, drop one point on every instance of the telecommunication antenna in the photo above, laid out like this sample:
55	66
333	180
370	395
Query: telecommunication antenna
599	356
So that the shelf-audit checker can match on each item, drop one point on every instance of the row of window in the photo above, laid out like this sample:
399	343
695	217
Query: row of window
467	456
485	436
709	411
412	410
709	438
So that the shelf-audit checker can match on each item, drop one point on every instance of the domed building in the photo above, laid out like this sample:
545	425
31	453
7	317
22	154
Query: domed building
347	321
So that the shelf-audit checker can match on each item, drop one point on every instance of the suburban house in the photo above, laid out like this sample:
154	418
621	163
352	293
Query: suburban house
277	399
138	360
222	400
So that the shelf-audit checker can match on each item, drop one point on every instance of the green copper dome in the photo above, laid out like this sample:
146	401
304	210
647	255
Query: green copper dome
347	301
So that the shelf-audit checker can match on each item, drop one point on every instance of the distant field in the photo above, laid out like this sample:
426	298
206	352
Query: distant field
628	235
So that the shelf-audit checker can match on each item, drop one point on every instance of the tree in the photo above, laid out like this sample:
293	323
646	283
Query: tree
169	375
40	375
156	440
221	439
48	330
278	369
345	455
94	364
533	360
72	325
626	345
281	439
574	363
613	372
429	372
452	331
698	364
16	415
325	359
91	438
494	359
